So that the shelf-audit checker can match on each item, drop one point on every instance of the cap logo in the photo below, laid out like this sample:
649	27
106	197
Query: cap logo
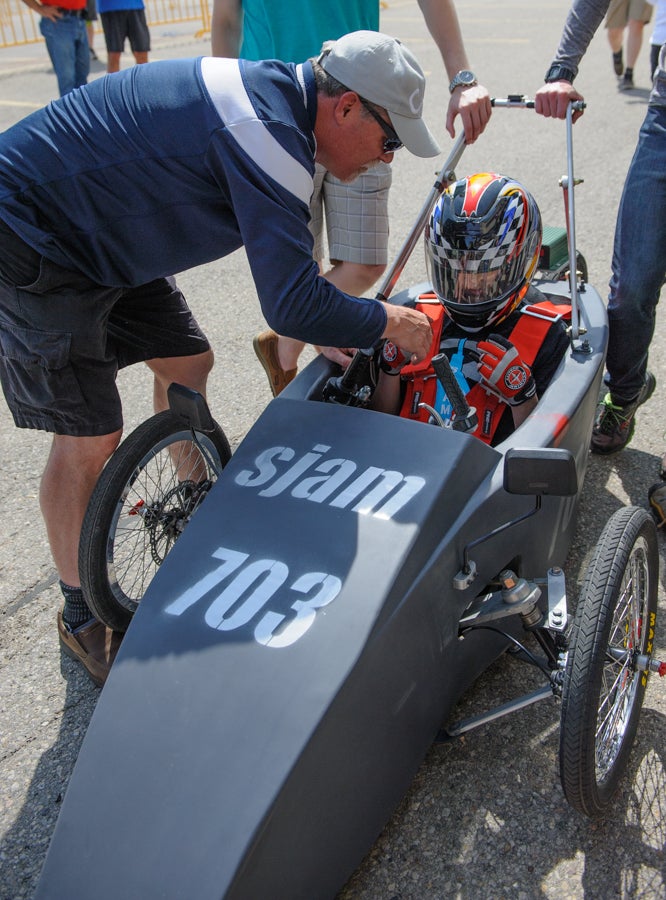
414	101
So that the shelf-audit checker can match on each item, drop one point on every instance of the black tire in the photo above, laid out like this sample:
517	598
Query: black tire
581	264
603	687
140	506
581	269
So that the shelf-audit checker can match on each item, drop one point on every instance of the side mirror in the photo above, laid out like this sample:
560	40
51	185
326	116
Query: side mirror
548	471
191	406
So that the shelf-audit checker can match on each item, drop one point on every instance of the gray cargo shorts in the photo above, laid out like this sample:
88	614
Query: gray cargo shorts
63	339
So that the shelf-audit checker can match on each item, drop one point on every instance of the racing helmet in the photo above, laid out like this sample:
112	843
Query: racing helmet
482	244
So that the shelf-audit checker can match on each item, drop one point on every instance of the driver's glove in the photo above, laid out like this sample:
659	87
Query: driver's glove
503	371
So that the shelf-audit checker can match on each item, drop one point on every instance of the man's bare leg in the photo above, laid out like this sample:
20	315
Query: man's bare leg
190	371
112	62
71	472
634	41
75	464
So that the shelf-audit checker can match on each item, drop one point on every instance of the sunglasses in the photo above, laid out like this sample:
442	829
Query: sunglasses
391	142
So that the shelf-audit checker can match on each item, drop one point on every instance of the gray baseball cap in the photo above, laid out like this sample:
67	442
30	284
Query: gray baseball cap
382	70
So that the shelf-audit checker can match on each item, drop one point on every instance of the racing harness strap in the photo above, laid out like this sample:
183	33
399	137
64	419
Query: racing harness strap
527	337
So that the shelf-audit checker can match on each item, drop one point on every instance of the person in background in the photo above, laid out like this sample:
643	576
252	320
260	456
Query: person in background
503	339
91	18
639	257
632	16
124	20
658	36
356	214
63	27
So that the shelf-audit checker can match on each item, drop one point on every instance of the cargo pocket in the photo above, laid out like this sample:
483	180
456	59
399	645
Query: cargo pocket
38	380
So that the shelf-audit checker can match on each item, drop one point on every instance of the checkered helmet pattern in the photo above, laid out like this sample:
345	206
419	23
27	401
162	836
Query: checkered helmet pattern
482	246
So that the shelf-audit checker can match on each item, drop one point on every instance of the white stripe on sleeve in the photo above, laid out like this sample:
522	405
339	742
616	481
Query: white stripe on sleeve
224	84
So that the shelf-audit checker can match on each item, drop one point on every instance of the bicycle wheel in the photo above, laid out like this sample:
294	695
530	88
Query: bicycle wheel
605	678
145	497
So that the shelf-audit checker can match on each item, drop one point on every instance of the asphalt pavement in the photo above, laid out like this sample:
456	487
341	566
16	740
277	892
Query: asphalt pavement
485	816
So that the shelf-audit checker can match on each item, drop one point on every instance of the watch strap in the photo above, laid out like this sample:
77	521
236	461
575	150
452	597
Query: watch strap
463	78
558	72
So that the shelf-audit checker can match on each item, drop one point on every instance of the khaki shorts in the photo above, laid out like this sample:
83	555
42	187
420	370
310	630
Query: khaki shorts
620	11
356	215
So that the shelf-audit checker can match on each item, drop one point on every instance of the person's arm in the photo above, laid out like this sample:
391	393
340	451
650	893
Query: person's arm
386	397
520	413
47	12
225	28
472	104
581	23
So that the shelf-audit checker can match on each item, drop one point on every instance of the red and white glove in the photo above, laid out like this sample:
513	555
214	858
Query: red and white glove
503	371
392	359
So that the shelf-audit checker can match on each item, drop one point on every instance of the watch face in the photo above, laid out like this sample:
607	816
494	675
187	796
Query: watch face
464	78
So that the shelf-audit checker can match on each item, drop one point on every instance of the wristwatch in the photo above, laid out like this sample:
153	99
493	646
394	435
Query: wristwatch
464	78
558	72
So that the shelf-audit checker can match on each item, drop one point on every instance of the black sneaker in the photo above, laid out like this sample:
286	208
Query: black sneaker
627	83
618	64
614	424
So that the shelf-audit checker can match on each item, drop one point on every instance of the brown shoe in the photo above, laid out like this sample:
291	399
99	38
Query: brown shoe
94	645
265	346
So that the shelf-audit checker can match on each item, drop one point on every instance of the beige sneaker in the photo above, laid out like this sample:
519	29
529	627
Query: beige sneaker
94	645
657	500
266	347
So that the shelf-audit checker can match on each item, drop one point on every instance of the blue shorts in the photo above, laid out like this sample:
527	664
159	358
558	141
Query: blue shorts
63	338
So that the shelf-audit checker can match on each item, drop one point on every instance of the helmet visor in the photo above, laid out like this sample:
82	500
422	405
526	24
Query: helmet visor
463	278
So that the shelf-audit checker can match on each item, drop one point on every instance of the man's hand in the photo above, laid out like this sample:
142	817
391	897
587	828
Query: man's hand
503	370
47	12
553	99
472	104
410	330
340	355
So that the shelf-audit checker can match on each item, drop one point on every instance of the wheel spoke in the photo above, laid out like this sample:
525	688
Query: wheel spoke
619	680
603	689
153	513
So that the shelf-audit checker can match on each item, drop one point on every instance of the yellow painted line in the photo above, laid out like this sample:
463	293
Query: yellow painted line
19	103
470	21
473	40
470	40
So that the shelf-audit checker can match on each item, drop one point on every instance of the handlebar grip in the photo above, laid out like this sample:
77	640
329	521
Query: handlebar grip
465	418
356	384
520	101
513	100
447	379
